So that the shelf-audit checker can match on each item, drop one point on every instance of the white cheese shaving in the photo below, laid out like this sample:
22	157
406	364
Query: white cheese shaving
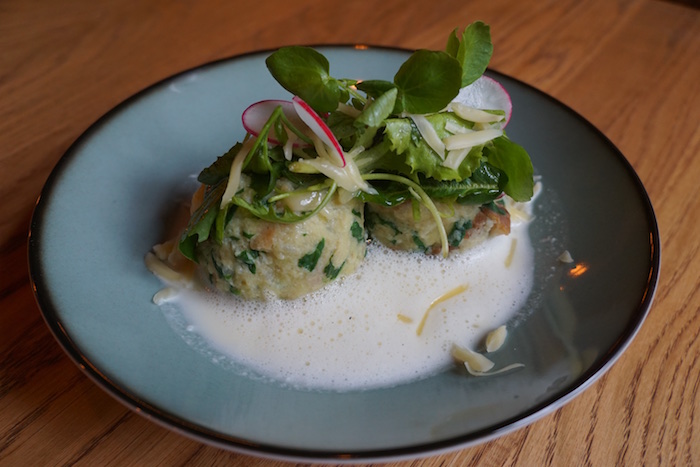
474	138
482	126
454	127
446	296
234	178
473	361
491	373
496	338
163	250
344	196
516	213
299	202
474	115
565	257
288	147
477	364
511	252
404	319
164	295
455	158
354	152
164	271
429	134
348	110
347	177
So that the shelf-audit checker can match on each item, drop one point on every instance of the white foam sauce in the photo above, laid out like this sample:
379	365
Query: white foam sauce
360	332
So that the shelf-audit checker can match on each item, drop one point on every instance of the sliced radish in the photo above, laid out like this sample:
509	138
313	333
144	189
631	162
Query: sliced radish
256	115
486	94
320	129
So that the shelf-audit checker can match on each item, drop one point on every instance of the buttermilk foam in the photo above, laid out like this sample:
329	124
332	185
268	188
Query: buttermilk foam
393	321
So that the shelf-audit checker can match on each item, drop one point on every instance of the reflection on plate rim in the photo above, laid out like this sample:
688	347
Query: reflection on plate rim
229	442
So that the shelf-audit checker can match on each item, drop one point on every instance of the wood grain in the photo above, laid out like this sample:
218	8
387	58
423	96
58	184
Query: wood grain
629	66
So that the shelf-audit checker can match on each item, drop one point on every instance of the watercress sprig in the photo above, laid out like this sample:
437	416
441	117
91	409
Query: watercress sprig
426	82
473	52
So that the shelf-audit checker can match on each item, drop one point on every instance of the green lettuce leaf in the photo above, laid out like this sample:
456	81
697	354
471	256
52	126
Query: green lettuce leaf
406	141
512	159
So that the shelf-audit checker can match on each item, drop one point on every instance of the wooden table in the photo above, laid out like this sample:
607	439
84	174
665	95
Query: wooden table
632	67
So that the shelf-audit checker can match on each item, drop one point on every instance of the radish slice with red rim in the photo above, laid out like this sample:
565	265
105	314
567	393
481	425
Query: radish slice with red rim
486	94
320	129
257	115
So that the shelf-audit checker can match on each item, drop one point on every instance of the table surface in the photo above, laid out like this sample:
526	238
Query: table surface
631	67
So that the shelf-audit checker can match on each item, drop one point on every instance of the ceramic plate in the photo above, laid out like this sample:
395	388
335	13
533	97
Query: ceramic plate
107	201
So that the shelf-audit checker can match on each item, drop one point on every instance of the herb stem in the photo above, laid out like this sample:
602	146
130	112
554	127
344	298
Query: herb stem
294	129
423	197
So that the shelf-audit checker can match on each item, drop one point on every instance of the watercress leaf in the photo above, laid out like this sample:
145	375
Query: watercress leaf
200	224
305	73
258	161
187	247
343	93
375	87
387	193
452	46
483	186
379	110
220	169
380	157
514	160
489	175
474	51
427	81
222	218
262	184
280	133
343	127
301	179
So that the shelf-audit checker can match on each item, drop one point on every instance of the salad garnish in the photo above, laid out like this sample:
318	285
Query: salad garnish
383	142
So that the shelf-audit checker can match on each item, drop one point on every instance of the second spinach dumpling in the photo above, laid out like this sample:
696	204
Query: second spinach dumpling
409	227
